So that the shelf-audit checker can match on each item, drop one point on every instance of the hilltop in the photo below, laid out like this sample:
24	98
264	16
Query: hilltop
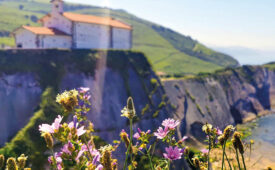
167	50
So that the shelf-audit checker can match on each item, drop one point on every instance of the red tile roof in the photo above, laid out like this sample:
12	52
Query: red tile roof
96	20
44	30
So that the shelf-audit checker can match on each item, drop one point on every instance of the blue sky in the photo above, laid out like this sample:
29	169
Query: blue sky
221	23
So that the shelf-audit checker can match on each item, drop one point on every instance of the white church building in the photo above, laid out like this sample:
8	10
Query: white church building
74	31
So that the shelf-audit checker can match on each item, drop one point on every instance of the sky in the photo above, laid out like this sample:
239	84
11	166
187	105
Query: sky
215	23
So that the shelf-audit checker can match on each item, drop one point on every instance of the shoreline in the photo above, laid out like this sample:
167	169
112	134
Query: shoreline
253	117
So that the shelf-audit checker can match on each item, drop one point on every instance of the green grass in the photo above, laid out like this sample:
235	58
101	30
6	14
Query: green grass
270	66
168	51
7	41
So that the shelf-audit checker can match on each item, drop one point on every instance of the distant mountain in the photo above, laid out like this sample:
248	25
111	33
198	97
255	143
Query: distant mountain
167	50
249	55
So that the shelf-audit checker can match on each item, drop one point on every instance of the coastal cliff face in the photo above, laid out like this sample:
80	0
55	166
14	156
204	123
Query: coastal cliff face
227	97
19	96
112	76
109	96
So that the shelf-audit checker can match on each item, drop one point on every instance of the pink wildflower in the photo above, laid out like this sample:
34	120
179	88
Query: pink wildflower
46	128
161	133
99	167
205	151
66	148
81	131
184	138
172	153
170	123
80	153
219	132
83	90
56	123
58	160
136	135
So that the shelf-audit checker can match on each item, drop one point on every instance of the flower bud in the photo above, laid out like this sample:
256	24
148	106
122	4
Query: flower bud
11	164
2	161
129	111
107	160
68	100
227	131
22	161
130	104
237	142
207	128
221	139
186	151
196	162
48	139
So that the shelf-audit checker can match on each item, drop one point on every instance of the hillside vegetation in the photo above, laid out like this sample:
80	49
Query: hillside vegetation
168	51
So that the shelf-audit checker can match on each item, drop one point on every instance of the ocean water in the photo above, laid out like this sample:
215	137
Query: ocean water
264	136
265	130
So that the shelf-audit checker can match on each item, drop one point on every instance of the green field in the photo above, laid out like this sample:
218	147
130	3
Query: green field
168	51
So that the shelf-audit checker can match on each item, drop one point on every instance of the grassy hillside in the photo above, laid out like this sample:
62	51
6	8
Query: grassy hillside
168	51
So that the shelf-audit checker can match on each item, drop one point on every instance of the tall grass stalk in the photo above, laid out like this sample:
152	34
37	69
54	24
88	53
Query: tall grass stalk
227	160
243	162
237	157
223	153
209	144
168	165
130	145
149	157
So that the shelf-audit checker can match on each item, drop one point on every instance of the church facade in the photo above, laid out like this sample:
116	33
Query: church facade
74	31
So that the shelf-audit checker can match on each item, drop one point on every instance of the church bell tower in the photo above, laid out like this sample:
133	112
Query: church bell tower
57	6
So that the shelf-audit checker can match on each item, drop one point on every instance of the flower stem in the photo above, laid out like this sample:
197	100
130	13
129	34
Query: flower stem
223	153
90	155
209	143
149	157
168	164
131	138
126	157
237	157
243	162
228	160
130	145
249	151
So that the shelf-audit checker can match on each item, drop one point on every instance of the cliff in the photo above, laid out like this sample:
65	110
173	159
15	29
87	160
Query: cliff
228	96
30	80
112	76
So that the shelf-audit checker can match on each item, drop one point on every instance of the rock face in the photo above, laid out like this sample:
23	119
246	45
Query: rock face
19	96
228	97
112	76
109	96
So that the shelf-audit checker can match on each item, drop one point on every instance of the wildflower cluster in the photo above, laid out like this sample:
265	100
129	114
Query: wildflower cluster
175	149
78	150
216	138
